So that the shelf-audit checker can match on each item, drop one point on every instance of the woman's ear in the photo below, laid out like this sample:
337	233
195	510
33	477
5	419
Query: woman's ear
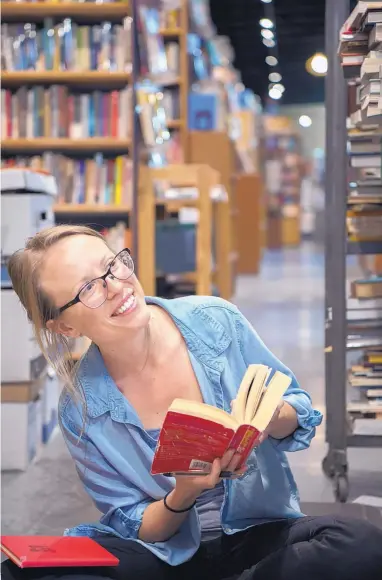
61	328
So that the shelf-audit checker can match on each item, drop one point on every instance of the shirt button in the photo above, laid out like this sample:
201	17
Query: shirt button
229	530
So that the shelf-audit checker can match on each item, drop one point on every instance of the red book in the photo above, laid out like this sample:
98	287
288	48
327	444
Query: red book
114	105
55	551
194	434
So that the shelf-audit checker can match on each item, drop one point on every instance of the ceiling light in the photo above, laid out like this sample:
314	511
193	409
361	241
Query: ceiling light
266	23
317	64
270	43
268	34
275	94
279	87
305	121
266	1
271	61
275	77
320	63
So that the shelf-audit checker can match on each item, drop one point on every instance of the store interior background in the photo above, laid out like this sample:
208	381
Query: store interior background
284	300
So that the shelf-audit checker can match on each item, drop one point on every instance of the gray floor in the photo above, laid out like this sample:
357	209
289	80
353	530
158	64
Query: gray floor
285	305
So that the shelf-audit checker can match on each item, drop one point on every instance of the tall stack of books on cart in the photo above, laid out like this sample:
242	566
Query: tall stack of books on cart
360	50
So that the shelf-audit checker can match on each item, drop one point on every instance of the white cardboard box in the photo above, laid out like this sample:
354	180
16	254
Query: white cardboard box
22	216
21	358
21	431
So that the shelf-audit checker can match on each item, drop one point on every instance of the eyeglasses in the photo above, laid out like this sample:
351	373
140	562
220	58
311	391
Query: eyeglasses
94	293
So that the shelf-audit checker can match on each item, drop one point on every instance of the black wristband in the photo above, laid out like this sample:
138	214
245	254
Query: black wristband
176	511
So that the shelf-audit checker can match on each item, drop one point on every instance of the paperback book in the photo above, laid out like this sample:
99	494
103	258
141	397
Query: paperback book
194	434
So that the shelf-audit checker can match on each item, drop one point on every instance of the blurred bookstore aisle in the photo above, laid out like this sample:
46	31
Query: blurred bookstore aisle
285	304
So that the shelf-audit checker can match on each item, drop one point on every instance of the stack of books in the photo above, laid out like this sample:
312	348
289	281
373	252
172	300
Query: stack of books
366	378
360	51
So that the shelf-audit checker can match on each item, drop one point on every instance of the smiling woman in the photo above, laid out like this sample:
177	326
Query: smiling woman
145	353
62	269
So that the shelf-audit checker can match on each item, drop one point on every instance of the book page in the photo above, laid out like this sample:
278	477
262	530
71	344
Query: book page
271	398
256	392
204	411
238	408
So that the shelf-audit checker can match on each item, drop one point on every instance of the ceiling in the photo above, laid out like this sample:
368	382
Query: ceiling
300	32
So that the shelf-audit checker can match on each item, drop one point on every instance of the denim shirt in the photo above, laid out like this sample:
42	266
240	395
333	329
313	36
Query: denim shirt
113	452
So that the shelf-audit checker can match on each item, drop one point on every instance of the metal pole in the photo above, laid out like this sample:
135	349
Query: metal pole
337	12
135	133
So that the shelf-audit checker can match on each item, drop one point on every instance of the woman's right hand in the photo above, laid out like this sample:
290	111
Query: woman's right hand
189	487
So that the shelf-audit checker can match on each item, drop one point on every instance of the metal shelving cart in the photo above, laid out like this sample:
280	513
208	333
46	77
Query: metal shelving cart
339	428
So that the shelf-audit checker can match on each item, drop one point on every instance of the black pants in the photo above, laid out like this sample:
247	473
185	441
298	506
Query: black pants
311	548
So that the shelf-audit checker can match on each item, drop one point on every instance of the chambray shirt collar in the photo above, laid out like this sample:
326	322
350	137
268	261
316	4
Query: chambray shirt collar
205	337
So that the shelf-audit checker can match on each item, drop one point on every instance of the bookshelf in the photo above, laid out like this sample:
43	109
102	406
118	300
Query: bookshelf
85	208
78	89
36	12
211	221
13	79
60	144
178	35
353	325
283	177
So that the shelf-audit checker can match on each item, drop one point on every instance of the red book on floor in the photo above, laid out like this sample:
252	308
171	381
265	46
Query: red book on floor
194	434
55	551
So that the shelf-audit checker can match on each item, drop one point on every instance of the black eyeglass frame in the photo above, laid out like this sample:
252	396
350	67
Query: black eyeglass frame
77	299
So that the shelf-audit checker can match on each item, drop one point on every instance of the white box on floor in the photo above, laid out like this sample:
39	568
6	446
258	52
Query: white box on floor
21	430
21	358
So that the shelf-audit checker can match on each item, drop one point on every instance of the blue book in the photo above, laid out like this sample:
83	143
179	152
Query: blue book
202	112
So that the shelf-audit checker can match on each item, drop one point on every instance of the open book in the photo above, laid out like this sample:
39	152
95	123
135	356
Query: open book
194	434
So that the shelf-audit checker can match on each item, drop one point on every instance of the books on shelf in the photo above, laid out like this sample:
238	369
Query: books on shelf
93	181
66	46
360	51
365	378
283	170
361	57
173	57
364	224
363	15
56	111
367	288
152	52
170	103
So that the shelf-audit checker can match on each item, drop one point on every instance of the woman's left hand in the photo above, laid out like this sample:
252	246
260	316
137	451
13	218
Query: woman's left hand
265	434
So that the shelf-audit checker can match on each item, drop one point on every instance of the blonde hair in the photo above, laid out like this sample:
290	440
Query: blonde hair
24	271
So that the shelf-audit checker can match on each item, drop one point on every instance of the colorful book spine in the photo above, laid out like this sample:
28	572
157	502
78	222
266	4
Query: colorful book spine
93	180
56	112
66	46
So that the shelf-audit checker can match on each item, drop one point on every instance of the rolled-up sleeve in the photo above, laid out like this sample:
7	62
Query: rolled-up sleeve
120	502
254	351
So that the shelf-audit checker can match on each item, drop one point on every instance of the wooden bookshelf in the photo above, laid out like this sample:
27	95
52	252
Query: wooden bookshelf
173	82
203	178
172	32
184	72
175	123
76	78
78	11
90	145
90	208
